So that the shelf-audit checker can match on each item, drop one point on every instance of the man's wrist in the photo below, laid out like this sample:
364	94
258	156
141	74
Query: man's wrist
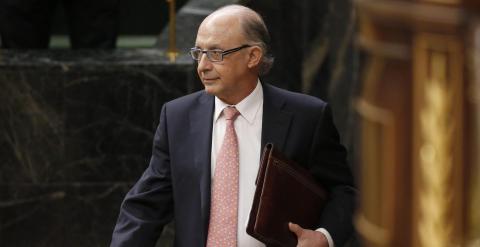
327	236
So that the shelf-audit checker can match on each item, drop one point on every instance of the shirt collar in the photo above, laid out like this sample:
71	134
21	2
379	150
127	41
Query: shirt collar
248	107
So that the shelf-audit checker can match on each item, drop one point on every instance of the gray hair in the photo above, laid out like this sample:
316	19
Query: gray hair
256	31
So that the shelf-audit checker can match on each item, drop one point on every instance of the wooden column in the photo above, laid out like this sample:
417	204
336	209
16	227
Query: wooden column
419	110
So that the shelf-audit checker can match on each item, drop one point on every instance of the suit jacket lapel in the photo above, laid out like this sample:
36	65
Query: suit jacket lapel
201	118
276	121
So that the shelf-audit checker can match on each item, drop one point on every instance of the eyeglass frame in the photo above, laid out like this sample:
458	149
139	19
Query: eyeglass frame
223	53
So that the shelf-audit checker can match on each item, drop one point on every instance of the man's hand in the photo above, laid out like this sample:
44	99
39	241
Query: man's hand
308	238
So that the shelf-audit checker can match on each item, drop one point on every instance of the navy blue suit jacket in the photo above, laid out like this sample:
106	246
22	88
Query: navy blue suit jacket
176	184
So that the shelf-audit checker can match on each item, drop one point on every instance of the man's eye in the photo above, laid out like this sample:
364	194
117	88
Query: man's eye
216	54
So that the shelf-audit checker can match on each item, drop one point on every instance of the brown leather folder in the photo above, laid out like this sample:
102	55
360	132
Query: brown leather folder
285	192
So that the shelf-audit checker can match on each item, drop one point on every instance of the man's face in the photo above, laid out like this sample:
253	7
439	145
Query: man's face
224	79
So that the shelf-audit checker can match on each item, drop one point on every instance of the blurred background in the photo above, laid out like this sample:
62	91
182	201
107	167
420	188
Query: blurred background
82	84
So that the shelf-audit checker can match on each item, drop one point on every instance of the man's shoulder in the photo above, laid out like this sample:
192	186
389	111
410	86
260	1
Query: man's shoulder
188	100
291	98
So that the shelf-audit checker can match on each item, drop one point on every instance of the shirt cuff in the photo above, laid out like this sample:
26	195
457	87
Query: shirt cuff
327	236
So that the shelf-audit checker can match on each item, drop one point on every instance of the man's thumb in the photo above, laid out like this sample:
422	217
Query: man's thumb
295	229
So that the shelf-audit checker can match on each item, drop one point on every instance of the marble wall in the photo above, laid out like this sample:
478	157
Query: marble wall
75	132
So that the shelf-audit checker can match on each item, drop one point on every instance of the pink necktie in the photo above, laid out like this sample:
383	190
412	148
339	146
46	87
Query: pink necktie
222	230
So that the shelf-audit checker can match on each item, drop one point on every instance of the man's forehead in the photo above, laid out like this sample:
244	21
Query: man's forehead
210	39
215	33
220	24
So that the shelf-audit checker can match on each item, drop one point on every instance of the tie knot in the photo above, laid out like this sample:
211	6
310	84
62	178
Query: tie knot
231	113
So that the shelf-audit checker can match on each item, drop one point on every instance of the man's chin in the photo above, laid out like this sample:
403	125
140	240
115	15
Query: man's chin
210	89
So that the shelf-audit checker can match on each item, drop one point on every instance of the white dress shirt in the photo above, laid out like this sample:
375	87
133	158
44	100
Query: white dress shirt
248	127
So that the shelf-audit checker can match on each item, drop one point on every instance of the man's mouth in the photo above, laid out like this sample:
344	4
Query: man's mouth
209	79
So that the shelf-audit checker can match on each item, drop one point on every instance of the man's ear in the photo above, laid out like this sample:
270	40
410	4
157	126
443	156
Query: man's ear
255	56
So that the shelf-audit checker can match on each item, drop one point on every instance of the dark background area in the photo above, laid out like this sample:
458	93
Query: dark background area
140	17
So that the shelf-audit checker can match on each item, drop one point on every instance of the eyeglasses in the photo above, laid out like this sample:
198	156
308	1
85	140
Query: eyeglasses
215	55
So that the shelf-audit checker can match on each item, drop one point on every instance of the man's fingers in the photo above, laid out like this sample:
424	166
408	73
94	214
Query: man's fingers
295	229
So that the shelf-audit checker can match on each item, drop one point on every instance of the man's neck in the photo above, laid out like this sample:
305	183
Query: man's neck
235	99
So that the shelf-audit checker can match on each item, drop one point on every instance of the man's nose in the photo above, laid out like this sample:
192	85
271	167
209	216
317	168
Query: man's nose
204	63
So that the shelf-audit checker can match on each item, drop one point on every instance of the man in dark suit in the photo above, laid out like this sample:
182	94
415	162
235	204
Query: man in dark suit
185	181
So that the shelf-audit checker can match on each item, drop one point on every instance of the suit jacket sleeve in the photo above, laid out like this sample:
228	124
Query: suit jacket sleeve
330	167
148	206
